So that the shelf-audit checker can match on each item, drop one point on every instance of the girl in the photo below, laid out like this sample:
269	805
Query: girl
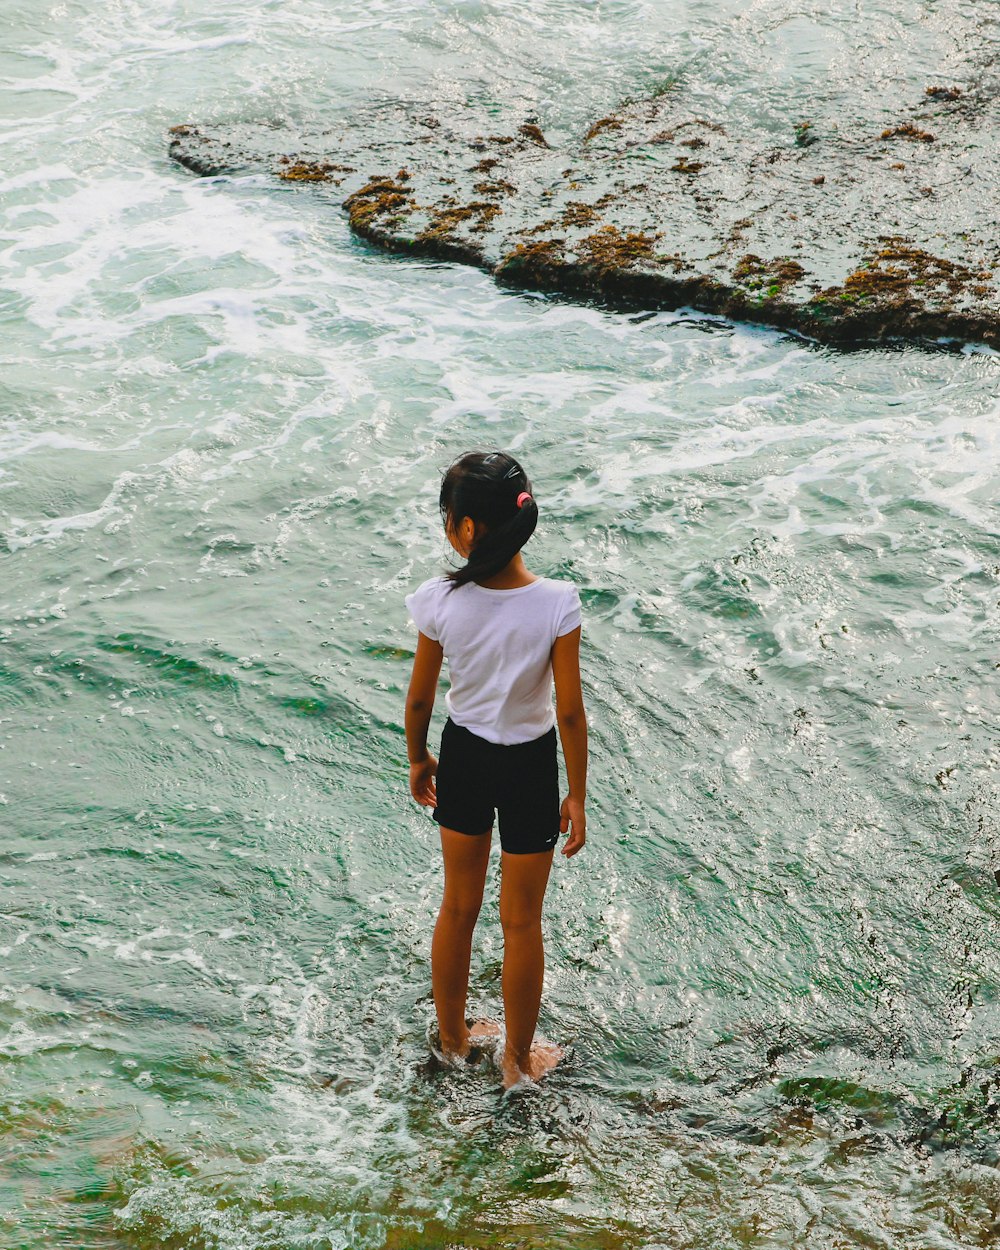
507	635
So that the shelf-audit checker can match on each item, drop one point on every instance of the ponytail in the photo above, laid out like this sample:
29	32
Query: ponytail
493	491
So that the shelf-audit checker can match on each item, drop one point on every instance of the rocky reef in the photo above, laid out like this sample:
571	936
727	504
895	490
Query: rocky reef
849	232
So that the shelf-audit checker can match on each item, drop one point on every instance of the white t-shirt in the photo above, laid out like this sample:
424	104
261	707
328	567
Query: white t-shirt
498	644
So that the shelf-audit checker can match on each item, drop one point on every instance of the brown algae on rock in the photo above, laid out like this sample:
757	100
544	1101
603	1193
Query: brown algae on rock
445	221
907	130
379	197
683	166
533	260
831	238
608	249
893	272
310	171
769	278
605	123
534	133
576	213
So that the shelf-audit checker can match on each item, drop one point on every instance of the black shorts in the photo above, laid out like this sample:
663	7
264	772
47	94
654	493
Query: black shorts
521	781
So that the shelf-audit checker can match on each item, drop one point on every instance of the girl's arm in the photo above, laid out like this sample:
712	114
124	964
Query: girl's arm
572	720
419	705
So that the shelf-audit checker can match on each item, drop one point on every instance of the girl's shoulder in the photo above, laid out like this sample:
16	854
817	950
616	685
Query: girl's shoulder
564	600
433	586
560	583
556	588
424	605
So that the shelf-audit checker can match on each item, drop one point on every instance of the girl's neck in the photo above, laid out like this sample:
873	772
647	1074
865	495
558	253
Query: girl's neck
510	578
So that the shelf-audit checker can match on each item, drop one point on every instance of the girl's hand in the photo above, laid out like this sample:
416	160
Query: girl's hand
573	816
422	781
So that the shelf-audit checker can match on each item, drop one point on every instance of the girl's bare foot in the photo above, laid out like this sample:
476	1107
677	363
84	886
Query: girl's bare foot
542	1058
479	1036
484	1035
481	1029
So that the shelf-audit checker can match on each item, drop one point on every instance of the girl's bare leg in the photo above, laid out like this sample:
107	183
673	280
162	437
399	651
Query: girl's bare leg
522	888
465	862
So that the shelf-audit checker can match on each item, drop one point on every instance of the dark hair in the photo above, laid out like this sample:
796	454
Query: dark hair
486	487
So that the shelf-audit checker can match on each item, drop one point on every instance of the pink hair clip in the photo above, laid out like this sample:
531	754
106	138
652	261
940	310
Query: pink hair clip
523	498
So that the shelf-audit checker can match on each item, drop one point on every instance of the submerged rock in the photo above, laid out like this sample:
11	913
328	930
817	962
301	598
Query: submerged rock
848	231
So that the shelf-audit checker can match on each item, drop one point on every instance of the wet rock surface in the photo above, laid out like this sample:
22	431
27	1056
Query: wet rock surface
850	230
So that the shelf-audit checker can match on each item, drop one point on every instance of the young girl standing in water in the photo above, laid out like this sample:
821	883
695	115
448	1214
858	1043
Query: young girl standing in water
507	635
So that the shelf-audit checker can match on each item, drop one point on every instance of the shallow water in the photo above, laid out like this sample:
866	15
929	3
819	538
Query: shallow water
223	420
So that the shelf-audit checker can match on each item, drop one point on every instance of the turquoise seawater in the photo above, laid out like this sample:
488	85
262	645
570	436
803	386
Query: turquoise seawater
222	422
